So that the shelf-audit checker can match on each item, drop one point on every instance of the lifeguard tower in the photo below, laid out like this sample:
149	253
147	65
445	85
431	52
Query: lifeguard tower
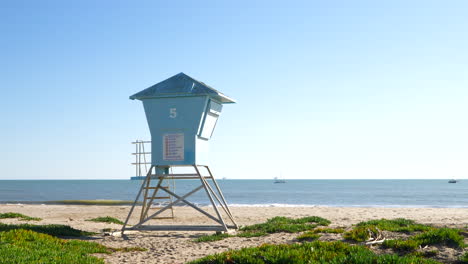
182	114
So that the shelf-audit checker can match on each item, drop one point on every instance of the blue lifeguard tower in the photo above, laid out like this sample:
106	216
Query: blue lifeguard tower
182	114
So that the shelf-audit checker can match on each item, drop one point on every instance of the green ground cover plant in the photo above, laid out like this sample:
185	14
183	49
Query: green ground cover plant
309	252
328	230
53	230
20	216
425	254
286	224
396	225
25	246
106	219
340	252
273	225
361	232
214	237
441	236
308	236
464	258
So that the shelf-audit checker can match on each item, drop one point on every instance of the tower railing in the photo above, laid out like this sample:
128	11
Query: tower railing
142	159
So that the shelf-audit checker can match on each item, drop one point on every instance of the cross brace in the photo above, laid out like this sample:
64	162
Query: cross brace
212	190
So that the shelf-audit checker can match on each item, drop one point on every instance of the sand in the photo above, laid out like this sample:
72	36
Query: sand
178	246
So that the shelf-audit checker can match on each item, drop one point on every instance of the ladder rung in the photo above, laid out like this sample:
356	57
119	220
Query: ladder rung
141	163
159	197
185	178
174	175
141	142
141	153
154	188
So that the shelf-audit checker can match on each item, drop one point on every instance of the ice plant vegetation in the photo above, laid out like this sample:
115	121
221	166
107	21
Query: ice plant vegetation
274	225
20	216
355	249
309	252
106	219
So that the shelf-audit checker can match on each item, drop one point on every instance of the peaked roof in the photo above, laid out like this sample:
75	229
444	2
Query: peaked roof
181	85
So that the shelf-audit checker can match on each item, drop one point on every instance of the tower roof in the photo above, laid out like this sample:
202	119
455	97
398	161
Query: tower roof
181	85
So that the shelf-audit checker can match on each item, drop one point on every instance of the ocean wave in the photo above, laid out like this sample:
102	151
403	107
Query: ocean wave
272	205
277	205
349	205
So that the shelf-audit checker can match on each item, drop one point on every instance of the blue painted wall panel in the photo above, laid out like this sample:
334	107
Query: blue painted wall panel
168	119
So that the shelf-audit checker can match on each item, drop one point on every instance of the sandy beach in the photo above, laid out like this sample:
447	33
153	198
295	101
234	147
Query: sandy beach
178	246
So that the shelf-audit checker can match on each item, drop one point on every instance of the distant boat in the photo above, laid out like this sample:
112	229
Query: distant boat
278	180
452	181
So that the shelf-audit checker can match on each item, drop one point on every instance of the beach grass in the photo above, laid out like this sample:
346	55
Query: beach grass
308	236
53	230
328	230
313	251
214	237
27	243
26	246
273	225
464	258
309	252
106	219
286	224
428	235
424	254
441	236
396	225
20	216
361	232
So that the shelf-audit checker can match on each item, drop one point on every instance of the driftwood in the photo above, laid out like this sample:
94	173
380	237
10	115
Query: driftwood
375	238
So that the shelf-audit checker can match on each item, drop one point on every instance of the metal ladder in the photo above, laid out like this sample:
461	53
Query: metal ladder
156	195
142	159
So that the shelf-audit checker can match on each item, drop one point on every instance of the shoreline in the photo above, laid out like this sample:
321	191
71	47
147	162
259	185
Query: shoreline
107	202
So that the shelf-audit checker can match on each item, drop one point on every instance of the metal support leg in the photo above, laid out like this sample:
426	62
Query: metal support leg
207	189
137	197
226	207
214	194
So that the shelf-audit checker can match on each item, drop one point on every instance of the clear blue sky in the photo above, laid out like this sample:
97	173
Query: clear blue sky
325	89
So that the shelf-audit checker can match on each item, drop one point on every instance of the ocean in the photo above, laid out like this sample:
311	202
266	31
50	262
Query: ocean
333	193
